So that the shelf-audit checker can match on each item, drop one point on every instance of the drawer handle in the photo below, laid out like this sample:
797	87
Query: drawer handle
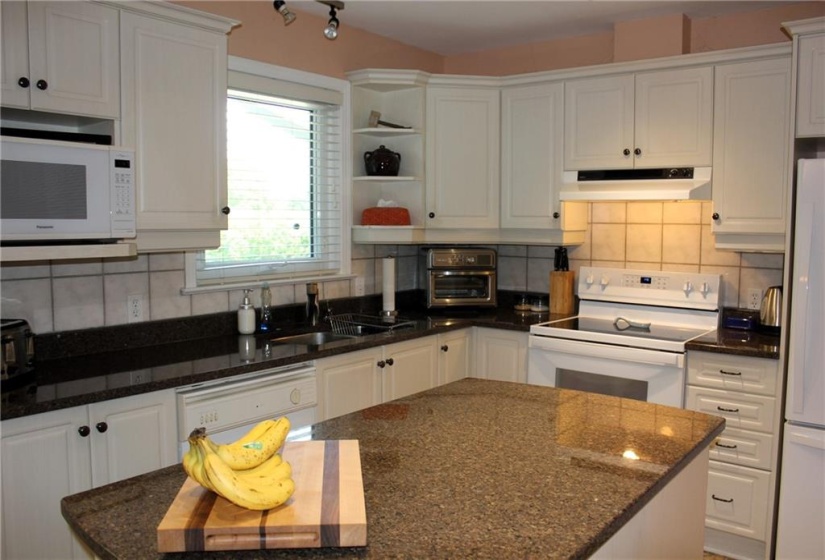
718	499
723	372
723	409
726	446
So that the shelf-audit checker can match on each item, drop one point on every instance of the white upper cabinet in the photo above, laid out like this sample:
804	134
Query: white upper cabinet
810	103
61	57
644	120
462	156
174	115
752	139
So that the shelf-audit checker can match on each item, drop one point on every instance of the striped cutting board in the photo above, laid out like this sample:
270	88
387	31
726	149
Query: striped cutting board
327	508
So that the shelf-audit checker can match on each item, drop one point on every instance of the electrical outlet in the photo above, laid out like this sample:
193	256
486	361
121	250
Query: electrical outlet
134	308
754	298
139	377
359	286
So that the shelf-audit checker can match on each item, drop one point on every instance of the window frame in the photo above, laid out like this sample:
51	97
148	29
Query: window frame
298	78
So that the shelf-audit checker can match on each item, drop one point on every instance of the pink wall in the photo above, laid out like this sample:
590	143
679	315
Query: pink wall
263	37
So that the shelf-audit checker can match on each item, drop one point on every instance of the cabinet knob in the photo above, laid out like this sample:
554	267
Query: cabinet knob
101	427
225	210
637	151
381	363
84	431
23	82
431	214
42	85
390	361
715	215
445	348
626	151
556	215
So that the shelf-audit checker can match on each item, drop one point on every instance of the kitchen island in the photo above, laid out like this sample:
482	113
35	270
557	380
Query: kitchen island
475	468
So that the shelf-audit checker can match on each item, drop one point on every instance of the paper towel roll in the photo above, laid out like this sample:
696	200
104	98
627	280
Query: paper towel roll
388	283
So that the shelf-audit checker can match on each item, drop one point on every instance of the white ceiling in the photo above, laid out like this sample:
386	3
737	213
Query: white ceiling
450	27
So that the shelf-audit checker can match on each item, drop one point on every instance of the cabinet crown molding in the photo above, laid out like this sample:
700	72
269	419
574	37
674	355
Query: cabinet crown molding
805	26
175	13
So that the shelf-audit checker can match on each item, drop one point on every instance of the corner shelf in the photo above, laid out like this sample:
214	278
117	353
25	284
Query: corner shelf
387	132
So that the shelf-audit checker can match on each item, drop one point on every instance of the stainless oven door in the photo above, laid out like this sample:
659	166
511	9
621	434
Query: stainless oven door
448	288
649	375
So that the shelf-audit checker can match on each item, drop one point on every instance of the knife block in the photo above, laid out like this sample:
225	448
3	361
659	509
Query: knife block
562	298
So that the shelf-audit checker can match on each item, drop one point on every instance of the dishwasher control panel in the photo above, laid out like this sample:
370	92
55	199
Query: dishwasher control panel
233	403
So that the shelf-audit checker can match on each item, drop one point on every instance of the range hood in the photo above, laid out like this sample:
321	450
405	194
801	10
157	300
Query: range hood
682	183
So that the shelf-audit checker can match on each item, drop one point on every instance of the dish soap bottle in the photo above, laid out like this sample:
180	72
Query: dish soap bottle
246	315
266	308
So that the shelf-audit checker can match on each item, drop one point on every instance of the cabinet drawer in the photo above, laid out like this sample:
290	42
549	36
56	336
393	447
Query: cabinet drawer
740	410
740	373
743	447
737	500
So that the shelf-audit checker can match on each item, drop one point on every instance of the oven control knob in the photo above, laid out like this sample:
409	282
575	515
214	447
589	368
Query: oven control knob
705	289
589	280
687	288
605	281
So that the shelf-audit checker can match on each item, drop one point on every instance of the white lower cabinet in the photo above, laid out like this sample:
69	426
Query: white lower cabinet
742	473
500	355
358	380
52	455
454	356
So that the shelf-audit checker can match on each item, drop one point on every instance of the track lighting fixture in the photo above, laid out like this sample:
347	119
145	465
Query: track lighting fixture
331	30
280	6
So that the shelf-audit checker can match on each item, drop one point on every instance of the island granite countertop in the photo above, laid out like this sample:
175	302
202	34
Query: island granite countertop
475	468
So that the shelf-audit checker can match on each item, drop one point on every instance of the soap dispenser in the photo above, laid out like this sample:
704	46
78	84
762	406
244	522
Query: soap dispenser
246	315
266	308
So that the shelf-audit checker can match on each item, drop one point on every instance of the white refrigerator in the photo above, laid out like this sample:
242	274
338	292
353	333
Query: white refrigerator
801	519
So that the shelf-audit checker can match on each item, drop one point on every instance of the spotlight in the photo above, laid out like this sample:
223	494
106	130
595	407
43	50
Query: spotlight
331	30
280	6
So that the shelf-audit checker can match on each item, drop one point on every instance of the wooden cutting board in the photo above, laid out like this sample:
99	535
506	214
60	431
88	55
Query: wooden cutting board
326	509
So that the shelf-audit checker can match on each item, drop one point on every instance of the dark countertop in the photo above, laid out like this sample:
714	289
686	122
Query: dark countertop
475	468
158	355
738	342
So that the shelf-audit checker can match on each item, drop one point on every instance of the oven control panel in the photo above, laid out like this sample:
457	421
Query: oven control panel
645	287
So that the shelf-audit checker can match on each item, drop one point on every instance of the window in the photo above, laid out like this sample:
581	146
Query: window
285	181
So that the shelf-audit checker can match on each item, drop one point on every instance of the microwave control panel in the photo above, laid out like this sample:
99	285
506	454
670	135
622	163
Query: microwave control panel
123	192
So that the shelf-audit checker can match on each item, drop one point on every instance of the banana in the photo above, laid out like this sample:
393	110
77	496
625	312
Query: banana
253	493
193	462
258	445
273	469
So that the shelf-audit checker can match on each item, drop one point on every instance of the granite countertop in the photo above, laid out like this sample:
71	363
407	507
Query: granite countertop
82	367
473	468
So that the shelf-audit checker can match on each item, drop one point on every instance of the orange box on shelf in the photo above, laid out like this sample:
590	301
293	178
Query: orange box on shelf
385	216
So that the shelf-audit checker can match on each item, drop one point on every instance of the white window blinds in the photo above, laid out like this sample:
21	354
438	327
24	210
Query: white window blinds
285	183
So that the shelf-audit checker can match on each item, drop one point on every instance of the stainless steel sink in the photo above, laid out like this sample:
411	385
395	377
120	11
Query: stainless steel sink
313	338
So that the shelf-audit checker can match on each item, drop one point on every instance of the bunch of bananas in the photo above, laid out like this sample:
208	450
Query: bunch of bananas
249	472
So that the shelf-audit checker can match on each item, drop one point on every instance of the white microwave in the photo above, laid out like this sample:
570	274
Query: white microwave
54	191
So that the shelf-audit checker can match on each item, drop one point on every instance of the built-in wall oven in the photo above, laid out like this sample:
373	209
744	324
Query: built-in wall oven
459	276
629	337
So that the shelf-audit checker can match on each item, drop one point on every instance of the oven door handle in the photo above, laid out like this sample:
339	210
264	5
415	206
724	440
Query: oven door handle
606	351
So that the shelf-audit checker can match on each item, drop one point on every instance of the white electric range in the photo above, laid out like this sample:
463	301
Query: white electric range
629	337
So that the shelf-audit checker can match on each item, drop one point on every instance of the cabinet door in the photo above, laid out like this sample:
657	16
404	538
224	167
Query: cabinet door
736	500
44	460
598	123
453	356
501	355
174	105
411	367
674	118
751	151
74	58
532	134
132	436
15	55
810	88
348	382
462	156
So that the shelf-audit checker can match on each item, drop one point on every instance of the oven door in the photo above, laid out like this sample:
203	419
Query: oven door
648	375
448	288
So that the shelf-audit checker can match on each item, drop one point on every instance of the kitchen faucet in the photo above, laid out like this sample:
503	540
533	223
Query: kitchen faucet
313	308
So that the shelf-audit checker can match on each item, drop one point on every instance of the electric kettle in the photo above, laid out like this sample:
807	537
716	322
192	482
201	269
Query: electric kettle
770	314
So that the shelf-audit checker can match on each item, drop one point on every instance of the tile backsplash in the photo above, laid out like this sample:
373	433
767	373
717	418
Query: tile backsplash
649	235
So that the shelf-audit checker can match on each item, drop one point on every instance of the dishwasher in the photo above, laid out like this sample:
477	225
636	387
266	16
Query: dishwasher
228	408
